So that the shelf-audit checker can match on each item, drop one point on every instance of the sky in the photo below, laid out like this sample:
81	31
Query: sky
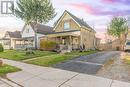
97	13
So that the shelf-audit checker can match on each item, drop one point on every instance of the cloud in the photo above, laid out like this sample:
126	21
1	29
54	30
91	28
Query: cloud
84	6
98	11
127	2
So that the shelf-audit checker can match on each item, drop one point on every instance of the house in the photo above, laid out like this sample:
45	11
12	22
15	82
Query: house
28	33
8	41
97	43
73	32
69	32
25	38
116	44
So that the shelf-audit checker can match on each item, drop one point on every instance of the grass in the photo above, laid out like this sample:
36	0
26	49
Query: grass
21	55
42	58
51	60
5	69
127	60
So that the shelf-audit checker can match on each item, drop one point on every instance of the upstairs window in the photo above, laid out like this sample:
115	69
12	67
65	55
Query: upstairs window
27	30
66	25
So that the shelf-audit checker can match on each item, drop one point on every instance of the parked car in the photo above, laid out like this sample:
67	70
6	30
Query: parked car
127	46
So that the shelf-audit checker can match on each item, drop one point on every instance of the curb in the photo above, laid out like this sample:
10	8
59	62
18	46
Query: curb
10	83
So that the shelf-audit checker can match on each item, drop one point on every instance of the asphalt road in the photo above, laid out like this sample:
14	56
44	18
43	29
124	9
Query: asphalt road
89	64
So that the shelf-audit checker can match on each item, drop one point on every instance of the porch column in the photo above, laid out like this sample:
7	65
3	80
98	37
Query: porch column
70	40
61	40
70	43
15	44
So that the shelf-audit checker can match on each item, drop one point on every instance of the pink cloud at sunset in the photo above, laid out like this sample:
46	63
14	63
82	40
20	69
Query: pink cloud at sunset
98	11
127	2
109	1
85	7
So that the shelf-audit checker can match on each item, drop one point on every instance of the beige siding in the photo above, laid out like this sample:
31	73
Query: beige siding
87	38
67	18
116	44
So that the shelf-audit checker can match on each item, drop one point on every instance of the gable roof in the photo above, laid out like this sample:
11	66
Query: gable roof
80	22
41	29
15	34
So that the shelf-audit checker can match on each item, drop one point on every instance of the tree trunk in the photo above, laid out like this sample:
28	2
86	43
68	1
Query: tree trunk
35	36
122	41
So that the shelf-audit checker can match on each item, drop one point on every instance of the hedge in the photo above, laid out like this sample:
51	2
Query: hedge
1	48
47	45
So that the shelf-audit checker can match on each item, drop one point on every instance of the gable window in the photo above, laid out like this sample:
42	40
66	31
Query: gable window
27	30
66	25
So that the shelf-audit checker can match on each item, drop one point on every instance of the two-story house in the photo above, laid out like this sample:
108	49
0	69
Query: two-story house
25	38
72	31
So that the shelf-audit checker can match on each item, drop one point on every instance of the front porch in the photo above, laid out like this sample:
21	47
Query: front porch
6	42
66	40
72	42
23	43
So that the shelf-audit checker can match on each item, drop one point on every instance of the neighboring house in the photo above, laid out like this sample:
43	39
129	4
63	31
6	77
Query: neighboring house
116	44
8	41
28	33
111	45
97	43
74	32
25	38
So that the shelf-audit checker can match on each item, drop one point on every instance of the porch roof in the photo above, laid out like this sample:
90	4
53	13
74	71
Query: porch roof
25	38
65	33
4	39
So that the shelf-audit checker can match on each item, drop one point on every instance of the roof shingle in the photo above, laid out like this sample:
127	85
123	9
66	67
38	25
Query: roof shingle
15	34
42	29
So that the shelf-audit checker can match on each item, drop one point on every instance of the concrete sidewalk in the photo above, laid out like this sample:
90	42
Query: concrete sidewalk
37	76
3	84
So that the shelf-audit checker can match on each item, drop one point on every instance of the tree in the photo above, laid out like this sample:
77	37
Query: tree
34	11
118	27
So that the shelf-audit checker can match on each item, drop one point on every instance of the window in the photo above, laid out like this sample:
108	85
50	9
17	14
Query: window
66	25
27	30
128	43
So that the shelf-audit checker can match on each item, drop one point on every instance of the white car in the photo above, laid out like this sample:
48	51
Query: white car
127	46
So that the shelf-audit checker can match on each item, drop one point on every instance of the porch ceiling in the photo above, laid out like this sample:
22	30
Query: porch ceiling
65	34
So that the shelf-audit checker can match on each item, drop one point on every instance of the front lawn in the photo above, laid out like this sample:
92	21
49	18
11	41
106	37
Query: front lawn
21	55
54	59
5	69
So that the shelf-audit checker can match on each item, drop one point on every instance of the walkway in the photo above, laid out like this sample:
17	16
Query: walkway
36	76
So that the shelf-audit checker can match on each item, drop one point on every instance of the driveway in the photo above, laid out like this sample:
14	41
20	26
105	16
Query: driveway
37	76
89	64
118	69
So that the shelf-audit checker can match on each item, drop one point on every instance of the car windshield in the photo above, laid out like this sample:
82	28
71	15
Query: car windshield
128	43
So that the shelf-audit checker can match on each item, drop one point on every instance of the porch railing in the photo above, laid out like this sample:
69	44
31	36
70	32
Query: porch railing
23	46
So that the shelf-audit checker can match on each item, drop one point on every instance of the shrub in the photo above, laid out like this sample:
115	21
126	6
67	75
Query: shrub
1	63
1	48
47	45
